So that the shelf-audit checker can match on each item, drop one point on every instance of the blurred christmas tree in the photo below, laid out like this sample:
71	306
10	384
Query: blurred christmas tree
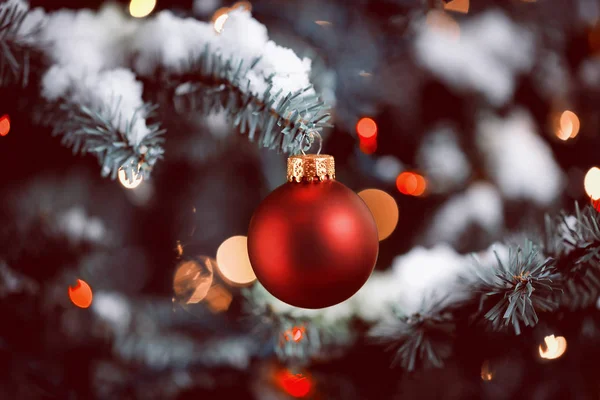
472	127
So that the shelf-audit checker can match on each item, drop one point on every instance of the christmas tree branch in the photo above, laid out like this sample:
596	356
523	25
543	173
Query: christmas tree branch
15	45
214	84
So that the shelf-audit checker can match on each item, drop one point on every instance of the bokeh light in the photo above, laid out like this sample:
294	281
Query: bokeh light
130	184
245	5
219	18
4	125
233	262
141	8
591	183
369	145
384	210
486	372
81	294
461	6
366	128
567	125
553	347
296	385
193	279
411	184
218	298
295	334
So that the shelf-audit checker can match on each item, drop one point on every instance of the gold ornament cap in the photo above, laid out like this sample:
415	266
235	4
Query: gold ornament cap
310	167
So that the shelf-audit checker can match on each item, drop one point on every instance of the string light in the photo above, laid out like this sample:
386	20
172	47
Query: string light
130	184
591	183
553	347
233	261
384	210
410	183
4	125
141	8
81	294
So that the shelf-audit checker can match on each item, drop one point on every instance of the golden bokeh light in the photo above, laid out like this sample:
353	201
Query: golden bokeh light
486	372
553	347
384	210
4	125
569	124
591	183
193	279
366	128
233	262
141	8
218	298
444	23
411	184
461	6
130	184
81	294
220	22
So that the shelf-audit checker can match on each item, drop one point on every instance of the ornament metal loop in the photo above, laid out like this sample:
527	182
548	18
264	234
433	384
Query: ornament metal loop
310	139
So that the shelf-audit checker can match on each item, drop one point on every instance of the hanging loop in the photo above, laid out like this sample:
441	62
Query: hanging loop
309	139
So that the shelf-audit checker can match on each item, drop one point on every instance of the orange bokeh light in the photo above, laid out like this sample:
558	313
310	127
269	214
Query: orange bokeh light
218	299
4	125
553	347
384	210
81	294
366	128
296	385
567	125
486	372
461	6
411	183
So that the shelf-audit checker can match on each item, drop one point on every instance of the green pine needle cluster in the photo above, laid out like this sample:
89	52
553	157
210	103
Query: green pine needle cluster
15	52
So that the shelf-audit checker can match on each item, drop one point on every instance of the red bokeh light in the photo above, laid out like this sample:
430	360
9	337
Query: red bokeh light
368	146
81	294
295	334
4	125
296	385
411	183
366	128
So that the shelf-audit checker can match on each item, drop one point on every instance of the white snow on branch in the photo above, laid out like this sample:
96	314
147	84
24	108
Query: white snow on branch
170	42
518	160
115	93
89	50
443	161
490	53
479	205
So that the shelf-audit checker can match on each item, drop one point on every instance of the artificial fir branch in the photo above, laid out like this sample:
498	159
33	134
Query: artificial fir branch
275	122
520	288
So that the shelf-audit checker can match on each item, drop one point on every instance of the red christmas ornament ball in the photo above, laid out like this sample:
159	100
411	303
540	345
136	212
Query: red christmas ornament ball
313	245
